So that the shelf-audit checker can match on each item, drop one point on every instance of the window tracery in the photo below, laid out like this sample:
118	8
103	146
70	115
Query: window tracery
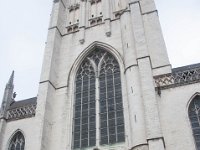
98	108
194	115
17	142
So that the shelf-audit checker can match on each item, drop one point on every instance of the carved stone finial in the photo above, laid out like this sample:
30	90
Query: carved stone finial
82	41
108	34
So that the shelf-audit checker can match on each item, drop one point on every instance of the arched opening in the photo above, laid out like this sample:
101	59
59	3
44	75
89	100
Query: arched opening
17	142
98	109
194	115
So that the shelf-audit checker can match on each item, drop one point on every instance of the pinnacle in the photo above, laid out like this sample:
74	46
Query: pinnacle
11	79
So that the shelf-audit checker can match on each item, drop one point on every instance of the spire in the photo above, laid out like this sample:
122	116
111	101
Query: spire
8	94
11	80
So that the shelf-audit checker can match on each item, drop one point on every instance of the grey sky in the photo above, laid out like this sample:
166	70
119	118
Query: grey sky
23	32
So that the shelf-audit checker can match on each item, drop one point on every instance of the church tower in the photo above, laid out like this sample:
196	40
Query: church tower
106	84
97	89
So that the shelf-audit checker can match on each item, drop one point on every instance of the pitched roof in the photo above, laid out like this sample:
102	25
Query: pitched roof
25	102
184	68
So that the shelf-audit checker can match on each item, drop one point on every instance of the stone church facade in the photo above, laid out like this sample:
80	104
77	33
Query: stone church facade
106	84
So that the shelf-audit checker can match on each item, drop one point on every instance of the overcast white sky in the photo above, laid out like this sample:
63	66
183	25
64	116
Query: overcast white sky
23	32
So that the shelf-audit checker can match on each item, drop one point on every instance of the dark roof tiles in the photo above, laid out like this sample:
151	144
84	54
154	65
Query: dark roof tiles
25	102
185	68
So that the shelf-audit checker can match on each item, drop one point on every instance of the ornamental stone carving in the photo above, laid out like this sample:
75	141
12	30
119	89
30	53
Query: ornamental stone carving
178	78
21	112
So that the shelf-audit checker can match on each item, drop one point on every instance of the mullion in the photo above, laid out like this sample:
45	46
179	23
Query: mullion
114	88
85	113
81	113
107	107
111	127
76	129
103	100
92	104
120	105
88	111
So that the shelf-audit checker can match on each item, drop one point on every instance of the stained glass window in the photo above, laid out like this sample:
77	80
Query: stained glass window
194	115
17	142
98	108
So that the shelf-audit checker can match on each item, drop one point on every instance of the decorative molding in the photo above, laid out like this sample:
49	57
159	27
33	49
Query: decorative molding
118	13
128	67
108	34
48	81
178	78
73	28
134	2
138	146
21	112
82	41
150	12
96	20
56	27
94	1
74	7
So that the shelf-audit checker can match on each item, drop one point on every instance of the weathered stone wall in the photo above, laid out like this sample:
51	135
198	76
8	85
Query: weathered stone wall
175	123
27	126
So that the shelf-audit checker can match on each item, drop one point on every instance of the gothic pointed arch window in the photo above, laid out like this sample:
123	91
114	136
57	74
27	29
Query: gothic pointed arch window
17	142
98	108
194	115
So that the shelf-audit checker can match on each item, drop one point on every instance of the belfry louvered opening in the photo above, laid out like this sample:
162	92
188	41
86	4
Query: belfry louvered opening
98	108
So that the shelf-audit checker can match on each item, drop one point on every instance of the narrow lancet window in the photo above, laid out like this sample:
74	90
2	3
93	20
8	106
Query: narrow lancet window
17	142
98	108
194	115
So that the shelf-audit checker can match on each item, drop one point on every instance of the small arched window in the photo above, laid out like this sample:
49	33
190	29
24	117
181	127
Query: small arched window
98	109
194	115
17	142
